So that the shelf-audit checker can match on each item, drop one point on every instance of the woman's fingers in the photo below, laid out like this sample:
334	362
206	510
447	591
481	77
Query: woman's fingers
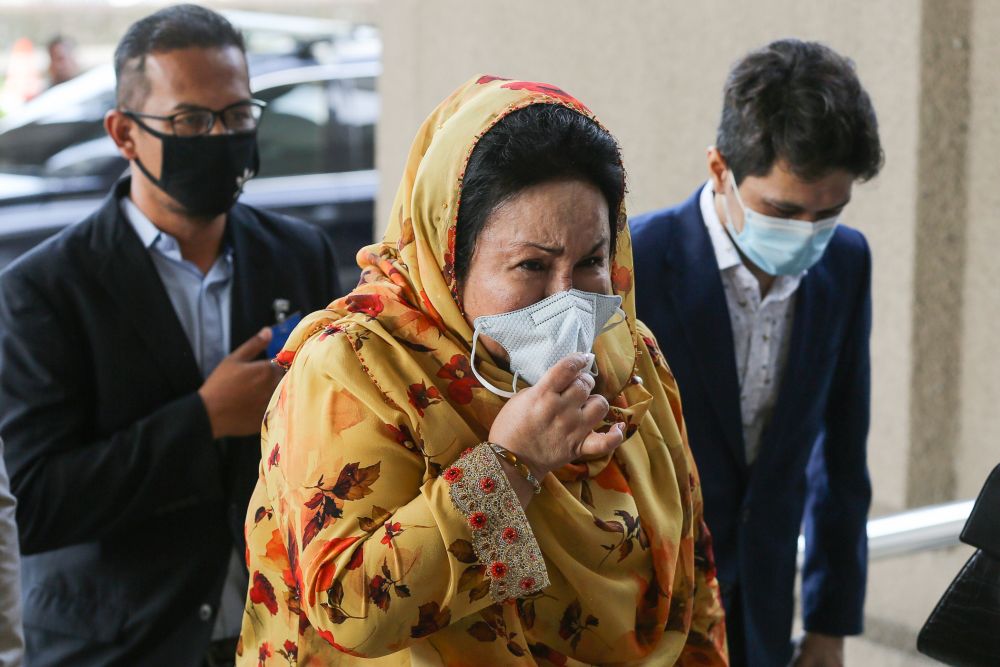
578	390
559	378
602	444
594	410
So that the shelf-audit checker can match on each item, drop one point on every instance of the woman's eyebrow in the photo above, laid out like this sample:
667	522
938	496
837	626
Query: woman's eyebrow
558	250
552	250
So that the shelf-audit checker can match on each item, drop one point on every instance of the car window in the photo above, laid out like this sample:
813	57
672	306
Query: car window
355	106
318	127
293	132
69	141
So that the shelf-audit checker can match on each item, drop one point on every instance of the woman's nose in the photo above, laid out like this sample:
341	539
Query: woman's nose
560	282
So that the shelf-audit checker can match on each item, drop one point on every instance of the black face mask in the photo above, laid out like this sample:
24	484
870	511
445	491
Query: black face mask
205	173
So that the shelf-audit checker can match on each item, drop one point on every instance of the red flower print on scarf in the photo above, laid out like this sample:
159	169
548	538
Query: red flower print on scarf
704	554
353	483
391	531
328	636
275	456
493	627
284	358
571	627
432	618
422	397
546	89
462	382
333	329
367	304
654	351
449	255
621	279
264	653
402	435
289	652
489	77
379	586
262	592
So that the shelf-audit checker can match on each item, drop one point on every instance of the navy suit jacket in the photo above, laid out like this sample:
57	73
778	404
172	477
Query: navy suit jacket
128	510
811	472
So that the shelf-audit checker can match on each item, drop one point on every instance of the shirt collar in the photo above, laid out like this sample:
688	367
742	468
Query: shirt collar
726	254
148	232
154	238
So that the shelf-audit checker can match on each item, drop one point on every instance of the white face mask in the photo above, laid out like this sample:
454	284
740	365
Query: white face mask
538	336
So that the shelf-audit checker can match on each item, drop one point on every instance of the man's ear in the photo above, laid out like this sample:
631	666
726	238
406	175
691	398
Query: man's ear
121	129
717	169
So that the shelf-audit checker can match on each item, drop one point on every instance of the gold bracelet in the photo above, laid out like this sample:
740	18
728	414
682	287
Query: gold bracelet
511	458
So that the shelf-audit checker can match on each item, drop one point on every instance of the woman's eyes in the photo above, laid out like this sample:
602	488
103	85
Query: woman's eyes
535	265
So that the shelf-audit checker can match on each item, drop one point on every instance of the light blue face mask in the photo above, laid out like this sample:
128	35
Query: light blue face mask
779	246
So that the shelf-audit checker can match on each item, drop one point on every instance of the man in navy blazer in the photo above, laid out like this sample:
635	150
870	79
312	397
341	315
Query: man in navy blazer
761	303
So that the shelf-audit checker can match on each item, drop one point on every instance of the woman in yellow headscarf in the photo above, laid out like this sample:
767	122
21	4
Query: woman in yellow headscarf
409	510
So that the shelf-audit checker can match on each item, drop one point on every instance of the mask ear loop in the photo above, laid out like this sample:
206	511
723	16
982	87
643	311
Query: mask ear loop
483	381
608	326
729	214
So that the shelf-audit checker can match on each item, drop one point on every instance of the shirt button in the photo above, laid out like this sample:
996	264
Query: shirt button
205	612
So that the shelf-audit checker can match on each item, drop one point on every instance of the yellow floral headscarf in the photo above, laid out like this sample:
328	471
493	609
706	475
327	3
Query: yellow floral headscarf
359	544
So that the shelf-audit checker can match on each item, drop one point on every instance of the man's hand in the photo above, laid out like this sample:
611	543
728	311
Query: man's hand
817	650
237	392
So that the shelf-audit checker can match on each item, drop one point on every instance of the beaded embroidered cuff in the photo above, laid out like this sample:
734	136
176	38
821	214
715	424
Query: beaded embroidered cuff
501	536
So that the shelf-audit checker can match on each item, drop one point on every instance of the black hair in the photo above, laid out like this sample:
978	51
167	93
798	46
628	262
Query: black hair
171	28
533	145
802	103
60	39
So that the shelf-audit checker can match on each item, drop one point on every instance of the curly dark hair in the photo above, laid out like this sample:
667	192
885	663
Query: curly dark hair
800	102
536	144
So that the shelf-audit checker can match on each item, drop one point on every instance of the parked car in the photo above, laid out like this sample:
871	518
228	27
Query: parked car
316	140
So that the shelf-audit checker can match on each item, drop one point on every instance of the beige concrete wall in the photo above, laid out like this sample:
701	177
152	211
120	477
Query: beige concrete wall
653	71
979	447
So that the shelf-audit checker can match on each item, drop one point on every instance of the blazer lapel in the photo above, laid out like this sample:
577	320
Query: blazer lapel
128	274
253	279
695	286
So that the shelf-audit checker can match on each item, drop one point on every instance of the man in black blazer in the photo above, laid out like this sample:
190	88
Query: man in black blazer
132	374
761	303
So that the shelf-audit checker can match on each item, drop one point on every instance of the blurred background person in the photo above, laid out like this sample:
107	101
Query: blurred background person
762	303
132	383
63	63
11	634
21	80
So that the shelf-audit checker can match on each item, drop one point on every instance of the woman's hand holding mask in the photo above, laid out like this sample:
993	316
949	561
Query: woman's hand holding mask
552	423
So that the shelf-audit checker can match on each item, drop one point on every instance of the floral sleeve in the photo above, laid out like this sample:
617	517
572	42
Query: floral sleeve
379	540
706	642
